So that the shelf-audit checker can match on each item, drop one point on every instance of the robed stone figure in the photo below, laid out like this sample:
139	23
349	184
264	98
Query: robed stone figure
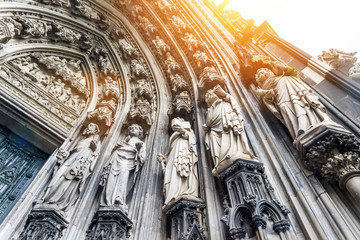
71	173
126	160
179	164
225	134
290	100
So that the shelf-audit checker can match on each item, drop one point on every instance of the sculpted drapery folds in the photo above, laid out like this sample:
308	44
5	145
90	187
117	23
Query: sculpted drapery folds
225	134
180	164
71	173
290	100
126	160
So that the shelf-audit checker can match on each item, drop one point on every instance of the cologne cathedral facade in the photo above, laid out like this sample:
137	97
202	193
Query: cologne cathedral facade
168	120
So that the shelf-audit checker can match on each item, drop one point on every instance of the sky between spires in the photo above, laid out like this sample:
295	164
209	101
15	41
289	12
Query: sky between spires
311	25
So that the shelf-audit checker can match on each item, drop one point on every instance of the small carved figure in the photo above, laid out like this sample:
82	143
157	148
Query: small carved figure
178	83
137	70
147	26
178	23
111	88
126	160
179	164
202	59
225	133
33	28
127	50
160	45
171	64
65	34
136	11
65	94
13	26
290	100
83	10
191	42
71	173
57	88
165	6
61	3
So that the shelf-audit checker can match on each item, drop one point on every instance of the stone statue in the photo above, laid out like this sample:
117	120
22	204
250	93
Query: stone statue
225	133
290	100
71	173
179	164
171	64
126	160
191	42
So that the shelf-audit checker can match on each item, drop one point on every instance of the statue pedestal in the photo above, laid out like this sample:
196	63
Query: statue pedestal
251	197
186	219
333	153
109	224
44	224
316	134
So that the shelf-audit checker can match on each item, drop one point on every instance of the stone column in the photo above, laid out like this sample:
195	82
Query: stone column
250	195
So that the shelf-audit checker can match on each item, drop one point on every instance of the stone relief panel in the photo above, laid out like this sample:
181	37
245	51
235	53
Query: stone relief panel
61	78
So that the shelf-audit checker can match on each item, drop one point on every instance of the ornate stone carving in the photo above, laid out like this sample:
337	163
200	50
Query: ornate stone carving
128	51
341	165
69	69
171	64
111	88
339	60
165	7
102	57
55	87
354	72
9	28
142	89
137	70
136	11
147	26
202	59
179	164
182	102
160	45
178	82
61	3
32	27
290	100
126	160
209	78
142	110
109	224
64	34
225	134
44	224
71	173
251	199
178	24
185	218
191	42
104	111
